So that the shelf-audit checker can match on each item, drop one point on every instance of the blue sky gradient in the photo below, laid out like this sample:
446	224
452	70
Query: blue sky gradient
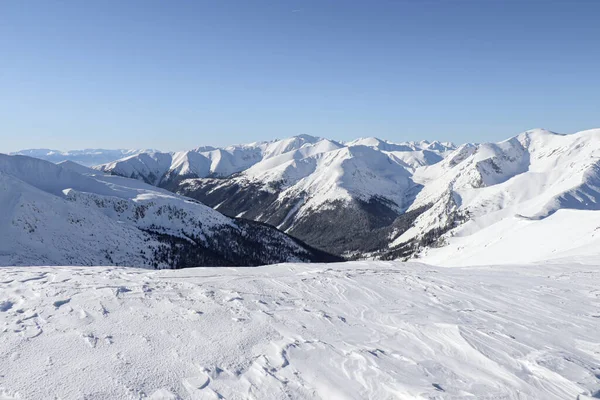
176	75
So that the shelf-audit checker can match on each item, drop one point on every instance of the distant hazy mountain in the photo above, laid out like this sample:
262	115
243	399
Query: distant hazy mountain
68	214
87	157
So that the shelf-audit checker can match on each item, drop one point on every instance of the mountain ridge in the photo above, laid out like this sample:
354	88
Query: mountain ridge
86	157
55	215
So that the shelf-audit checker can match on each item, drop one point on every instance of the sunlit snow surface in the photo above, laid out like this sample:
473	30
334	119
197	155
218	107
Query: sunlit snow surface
340	331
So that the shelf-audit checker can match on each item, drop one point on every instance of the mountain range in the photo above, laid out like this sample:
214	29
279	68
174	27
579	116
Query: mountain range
86	157
68	214
340	197
371	198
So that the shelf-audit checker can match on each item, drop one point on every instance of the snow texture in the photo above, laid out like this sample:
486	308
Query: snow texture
360	330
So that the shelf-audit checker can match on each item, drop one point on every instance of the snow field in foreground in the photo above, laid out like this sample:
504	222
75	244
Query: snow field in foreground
378	330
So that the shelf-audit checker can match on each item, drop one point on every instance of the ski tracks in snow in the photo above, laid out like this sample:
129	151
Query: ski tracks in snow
348	331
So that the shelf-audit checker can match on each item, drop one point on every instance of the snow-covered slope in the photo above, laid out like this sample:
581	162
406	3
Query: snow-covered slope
87	157
57	215
363	330
573	234
79	168
499	189
334	174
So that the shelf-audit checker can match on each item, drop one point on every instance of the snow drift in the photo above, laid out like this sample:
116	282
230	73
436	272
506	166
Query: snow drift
365	330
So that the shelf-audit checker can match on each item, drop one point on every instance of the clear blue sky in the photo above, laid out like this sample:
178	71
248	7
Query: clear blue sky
178	74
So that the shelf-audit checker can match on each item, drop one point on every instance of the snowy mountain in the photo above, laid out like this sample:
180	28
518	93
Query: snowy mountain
532	197
163	169
373	198
87	157
70	215
304	185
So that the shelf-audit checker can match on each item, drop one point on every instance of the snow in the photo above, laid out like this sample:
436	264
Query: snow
79	168
504	189
377	330
323	172
565	234
71	215
312	172
517	317
154	167
37	227
319	168
530	176
146	166
342	173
